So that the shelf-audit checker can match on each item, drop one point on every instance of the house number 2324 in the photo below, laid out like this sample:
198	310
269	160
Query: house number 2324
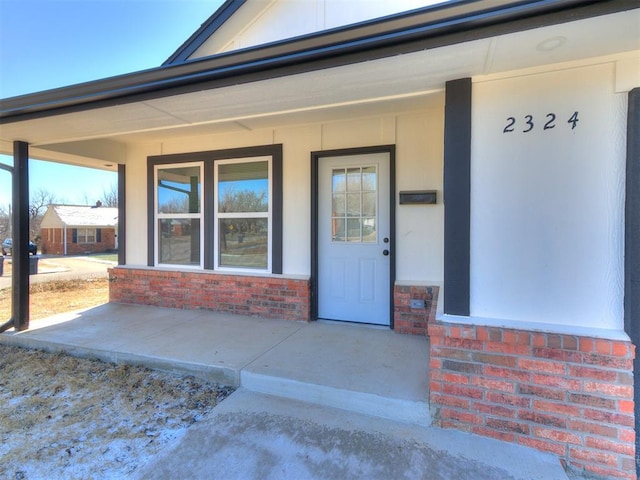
528	123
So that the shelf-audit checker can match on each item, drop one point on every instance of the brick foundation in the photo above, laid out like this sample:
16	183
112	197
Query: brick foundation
271	297
564	394
414	320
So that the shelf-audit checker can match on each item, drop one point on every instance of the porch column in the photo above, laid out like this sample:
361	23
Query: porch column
457	196
122	215
20	247
632	247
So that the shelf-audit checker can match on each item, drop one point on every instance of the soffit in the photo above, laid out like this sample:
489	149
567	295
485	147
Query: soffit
347	90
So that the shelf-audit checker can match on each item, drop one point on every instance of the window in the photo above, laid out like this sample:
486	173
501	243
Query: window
242	206
217	210
179	214
85	235
354	201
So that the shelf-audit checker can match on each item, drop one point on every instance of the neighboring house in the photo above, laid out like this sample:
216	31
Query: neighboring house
79	229
467	171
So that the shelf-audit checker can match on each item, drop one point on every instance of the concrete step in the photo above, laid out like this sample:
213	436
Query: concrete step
351	367
408	411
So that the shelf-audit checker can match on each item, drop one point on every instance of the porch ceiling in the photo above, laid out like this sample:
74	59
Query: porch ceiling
397	83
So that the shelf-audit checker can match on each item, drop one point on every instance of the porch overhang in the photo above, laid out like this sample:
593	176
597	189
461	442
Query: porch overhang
386	65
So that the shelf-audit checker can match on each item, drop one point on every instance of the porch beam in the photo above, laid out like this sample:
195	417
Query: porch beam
632	246
20	247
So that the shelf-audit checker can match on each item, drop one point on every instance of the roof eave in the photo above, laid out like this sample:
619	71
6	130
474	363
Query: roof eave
421	29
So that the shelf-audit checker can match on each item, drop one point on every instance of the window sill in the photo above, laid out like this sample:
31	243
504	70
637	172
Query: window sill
198	270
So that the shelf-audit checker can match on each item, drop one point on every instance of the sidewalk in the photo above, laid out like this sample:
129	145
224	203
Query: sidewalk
254	436
316	400
58	267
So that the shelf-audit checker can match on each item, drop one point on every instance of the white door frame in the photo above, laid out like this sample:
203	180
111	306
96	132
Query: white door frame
316	158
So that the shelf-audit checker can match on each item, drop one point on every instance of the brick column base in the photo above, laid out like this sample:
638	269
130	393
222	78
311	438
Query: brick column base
565	394
271	297
414	319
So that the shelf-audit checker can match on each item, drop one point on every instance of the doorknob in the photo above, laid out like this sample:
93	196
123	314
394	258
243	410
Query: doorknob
385	252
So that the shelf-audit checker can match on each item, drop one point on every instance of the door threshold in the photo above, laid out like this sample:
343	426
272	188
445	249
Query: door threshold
358	324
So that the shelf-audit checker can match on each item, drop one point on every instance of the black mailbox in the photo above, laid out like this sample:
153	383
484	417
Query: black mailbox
419	197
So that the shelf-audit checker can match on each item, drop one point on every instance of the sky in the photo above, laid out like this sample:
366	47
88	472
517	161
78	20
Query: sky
46	44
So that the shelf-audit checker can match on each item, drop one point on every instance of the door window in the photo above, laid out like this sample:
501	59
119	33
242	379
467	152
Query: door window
354	204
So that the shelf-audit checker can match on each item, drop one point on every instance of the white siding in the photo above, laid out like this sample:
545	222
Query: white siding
274	20
547	205
418	139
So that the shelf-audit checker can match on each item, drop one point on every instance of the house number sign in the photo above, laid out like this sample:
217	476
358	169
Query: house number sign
527	123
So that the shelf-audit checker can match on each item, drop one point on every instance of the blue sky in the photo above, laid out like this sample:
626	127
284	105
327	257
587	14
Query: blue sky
46	44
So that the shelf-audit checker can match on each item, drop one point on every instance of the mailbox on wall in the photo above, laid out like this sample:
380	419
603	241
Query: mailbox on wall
419	197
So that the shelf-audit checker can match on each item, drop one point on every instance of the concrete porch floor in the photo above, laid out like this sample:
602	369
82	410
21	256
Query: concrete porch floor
352	367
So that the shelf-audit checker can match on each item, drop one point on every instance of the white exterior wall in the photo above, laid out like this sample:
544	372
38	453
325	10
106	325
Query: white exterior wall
282	19
418	139
136	203
547	215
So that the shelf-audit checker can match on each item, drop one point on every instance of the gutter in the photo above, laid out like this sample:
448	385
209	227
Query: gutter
430	27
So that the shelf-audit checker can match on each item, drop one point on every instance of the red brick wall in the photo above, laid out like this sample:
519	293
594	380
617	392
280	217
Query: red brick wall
564	394
51	241
414	320
270	297
55	246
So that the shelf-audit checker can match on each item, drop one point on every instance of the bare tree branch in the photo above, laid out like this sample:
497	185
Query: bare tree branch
40	200
110	196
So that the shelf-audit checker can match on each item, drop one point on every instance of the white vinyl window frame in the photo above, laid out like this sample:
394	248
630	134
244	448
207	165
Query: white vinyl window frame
223	215
86	235
178	216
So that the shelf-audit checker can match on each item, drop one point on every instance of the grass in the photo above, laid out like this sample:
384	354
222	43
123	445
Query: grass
51	298
109	257
66	417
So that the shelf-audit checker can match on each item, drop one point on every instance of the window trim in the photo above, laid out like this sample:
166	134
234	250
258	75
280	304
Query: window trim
275	151
178	216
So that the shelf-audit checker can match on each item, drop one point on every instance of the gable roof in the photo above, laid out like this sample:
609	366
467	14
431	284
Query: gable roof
233	28
208	28
85	216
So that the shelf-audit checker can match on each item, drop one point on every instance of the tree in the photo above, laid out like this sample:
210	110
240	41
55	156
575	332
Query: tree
110	196
40	200
5	221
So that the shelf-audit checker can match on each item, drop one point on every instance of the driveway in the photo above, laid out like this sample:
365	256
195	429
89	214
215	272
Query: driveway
55	267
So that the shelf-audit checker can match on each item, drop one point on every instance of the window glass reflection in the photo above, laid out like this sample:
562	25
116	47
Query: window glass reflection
243	187
354	204
179	242
243	242
179	190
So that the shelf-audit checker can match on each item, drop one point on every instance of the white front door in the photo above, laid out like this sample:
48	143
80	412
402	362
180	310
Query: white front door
354	235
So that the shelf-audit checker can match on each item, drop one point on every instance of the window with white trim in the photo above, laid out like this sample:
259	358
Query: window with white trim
178	214
216	210
86	235
242	209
